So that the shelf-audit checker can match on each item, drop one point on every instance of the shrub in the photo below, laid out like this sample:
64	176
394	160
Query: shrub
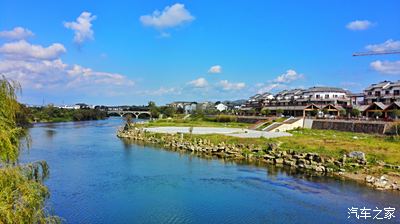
226	118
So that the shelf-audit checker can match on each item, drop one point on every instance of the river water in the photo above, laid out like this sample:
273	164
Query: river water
98	178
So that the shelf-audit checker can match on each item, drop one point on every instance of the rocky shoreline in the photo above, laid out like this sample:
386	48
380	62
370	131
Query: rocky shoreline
269	154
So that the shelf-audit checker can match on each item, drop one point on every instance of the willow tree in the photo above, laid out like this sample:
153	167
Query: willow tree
22	194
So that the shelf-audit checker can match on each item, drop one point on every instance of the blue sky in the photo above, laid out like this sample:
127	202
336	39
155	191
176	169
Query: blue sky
123	52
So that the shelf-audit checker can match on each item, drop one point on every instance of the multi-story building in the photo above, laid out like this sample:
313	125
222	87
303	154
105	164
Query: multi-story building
300	102
187	107
385	92
258	101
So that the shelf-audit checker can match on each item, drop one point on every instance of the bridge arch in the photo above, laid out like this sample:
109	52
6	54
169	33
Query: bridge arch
135	114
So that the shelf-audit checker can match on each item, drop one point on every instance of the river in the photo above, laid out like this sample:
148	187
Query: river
97	178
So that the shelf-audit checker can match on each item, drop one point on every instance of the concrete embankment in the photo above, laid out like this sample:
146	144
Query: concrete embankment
369	127
268	154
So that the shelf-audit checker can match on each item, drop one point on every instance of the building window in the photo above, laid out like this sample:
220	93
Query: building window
396	92
387	92
326	96
369	93
377	93
317	96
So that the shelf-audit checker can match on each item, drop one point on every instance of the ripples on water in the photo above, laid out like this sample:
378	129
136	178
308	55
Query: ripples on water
97	178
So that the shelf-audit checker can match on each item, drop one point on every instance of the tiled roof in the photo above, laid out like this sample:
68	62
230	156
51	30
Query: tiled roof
379	85
325	89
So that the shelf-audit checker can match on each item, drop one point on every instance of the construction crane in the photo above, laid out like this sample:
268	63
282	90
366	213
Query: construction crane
376	53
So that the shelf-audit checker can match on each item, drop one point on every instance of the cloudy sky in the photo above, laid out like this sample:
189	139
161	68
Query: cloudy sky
131	52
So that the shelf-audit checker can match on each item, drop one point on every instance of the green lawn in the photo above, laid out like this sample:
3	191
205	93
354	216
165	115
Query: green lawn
336	143
325	142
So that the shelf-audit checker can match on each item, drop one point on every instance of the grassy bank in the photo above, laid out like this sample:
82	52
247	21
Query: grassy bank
325	142
328	143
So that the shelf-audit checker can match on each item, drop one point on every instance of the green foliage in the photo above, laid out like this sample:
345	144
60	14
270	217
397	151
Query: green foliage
355	112
54	114
10	134
154	110
279	111
342	112
314	113
22	199
265	111
396	113
167	111
252	111
22	195
225	118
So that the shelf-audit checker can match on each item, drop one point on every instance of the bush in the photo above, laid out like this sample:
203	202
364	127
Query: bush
226	118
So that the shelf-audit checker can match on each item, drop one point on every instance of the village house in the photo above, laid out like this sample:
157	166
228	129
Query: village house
186	106
380	100
301	102
385	92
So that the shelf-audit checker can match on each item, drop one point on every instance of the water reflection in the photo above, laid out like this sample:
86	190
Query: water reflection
98	178
50	133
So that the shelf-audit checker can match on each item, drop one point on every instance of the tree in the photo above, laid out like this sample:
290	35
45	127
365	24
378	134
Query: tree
265	112
279	112
168	111
314	113
396	114
342	112
154	110
22	194
252	111
355	112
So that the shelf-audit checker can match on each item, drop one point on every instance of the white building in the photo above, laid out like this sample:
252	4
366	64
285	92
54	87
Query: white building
385	92
221	107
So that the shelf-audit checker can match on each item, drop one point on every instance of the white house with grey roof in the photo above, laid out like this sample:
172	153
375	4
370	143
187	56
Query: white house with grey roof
385	92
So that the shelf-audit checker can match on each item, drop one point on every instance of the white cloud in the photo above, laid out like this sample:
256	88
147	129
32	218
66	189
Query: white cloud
162	91
82	27
270	87
388	45
80	75
24	50
215	69
37	67
199	83
280	82
289	76
386	67
17	33
226	85
359	25
171	16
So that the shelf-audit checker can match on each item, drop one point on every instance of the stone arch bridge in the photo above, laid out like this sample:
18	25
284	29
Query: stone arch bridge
135	113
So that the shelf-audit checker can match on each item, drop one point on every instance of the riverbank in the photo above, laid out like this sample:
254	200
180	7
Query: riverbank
54	114
352	165
234	132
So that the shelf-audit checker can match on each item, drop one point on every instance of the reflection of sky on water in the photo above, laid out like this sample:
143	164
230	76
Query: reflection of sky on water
98	178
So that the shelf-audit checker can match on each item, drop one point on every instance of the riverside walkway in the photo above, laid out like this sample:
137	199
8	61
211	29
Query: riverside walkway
236	132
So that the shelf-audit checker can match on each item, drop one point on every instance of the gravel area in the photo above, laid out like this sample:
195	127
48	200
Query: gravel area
236	132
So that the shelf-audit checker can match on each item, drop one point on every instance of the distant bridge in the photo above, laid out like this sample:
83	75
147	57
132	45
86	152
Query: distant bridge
135	113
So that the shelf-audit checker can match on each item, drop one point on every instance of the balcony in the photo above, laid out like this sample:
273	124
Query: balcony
391	95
